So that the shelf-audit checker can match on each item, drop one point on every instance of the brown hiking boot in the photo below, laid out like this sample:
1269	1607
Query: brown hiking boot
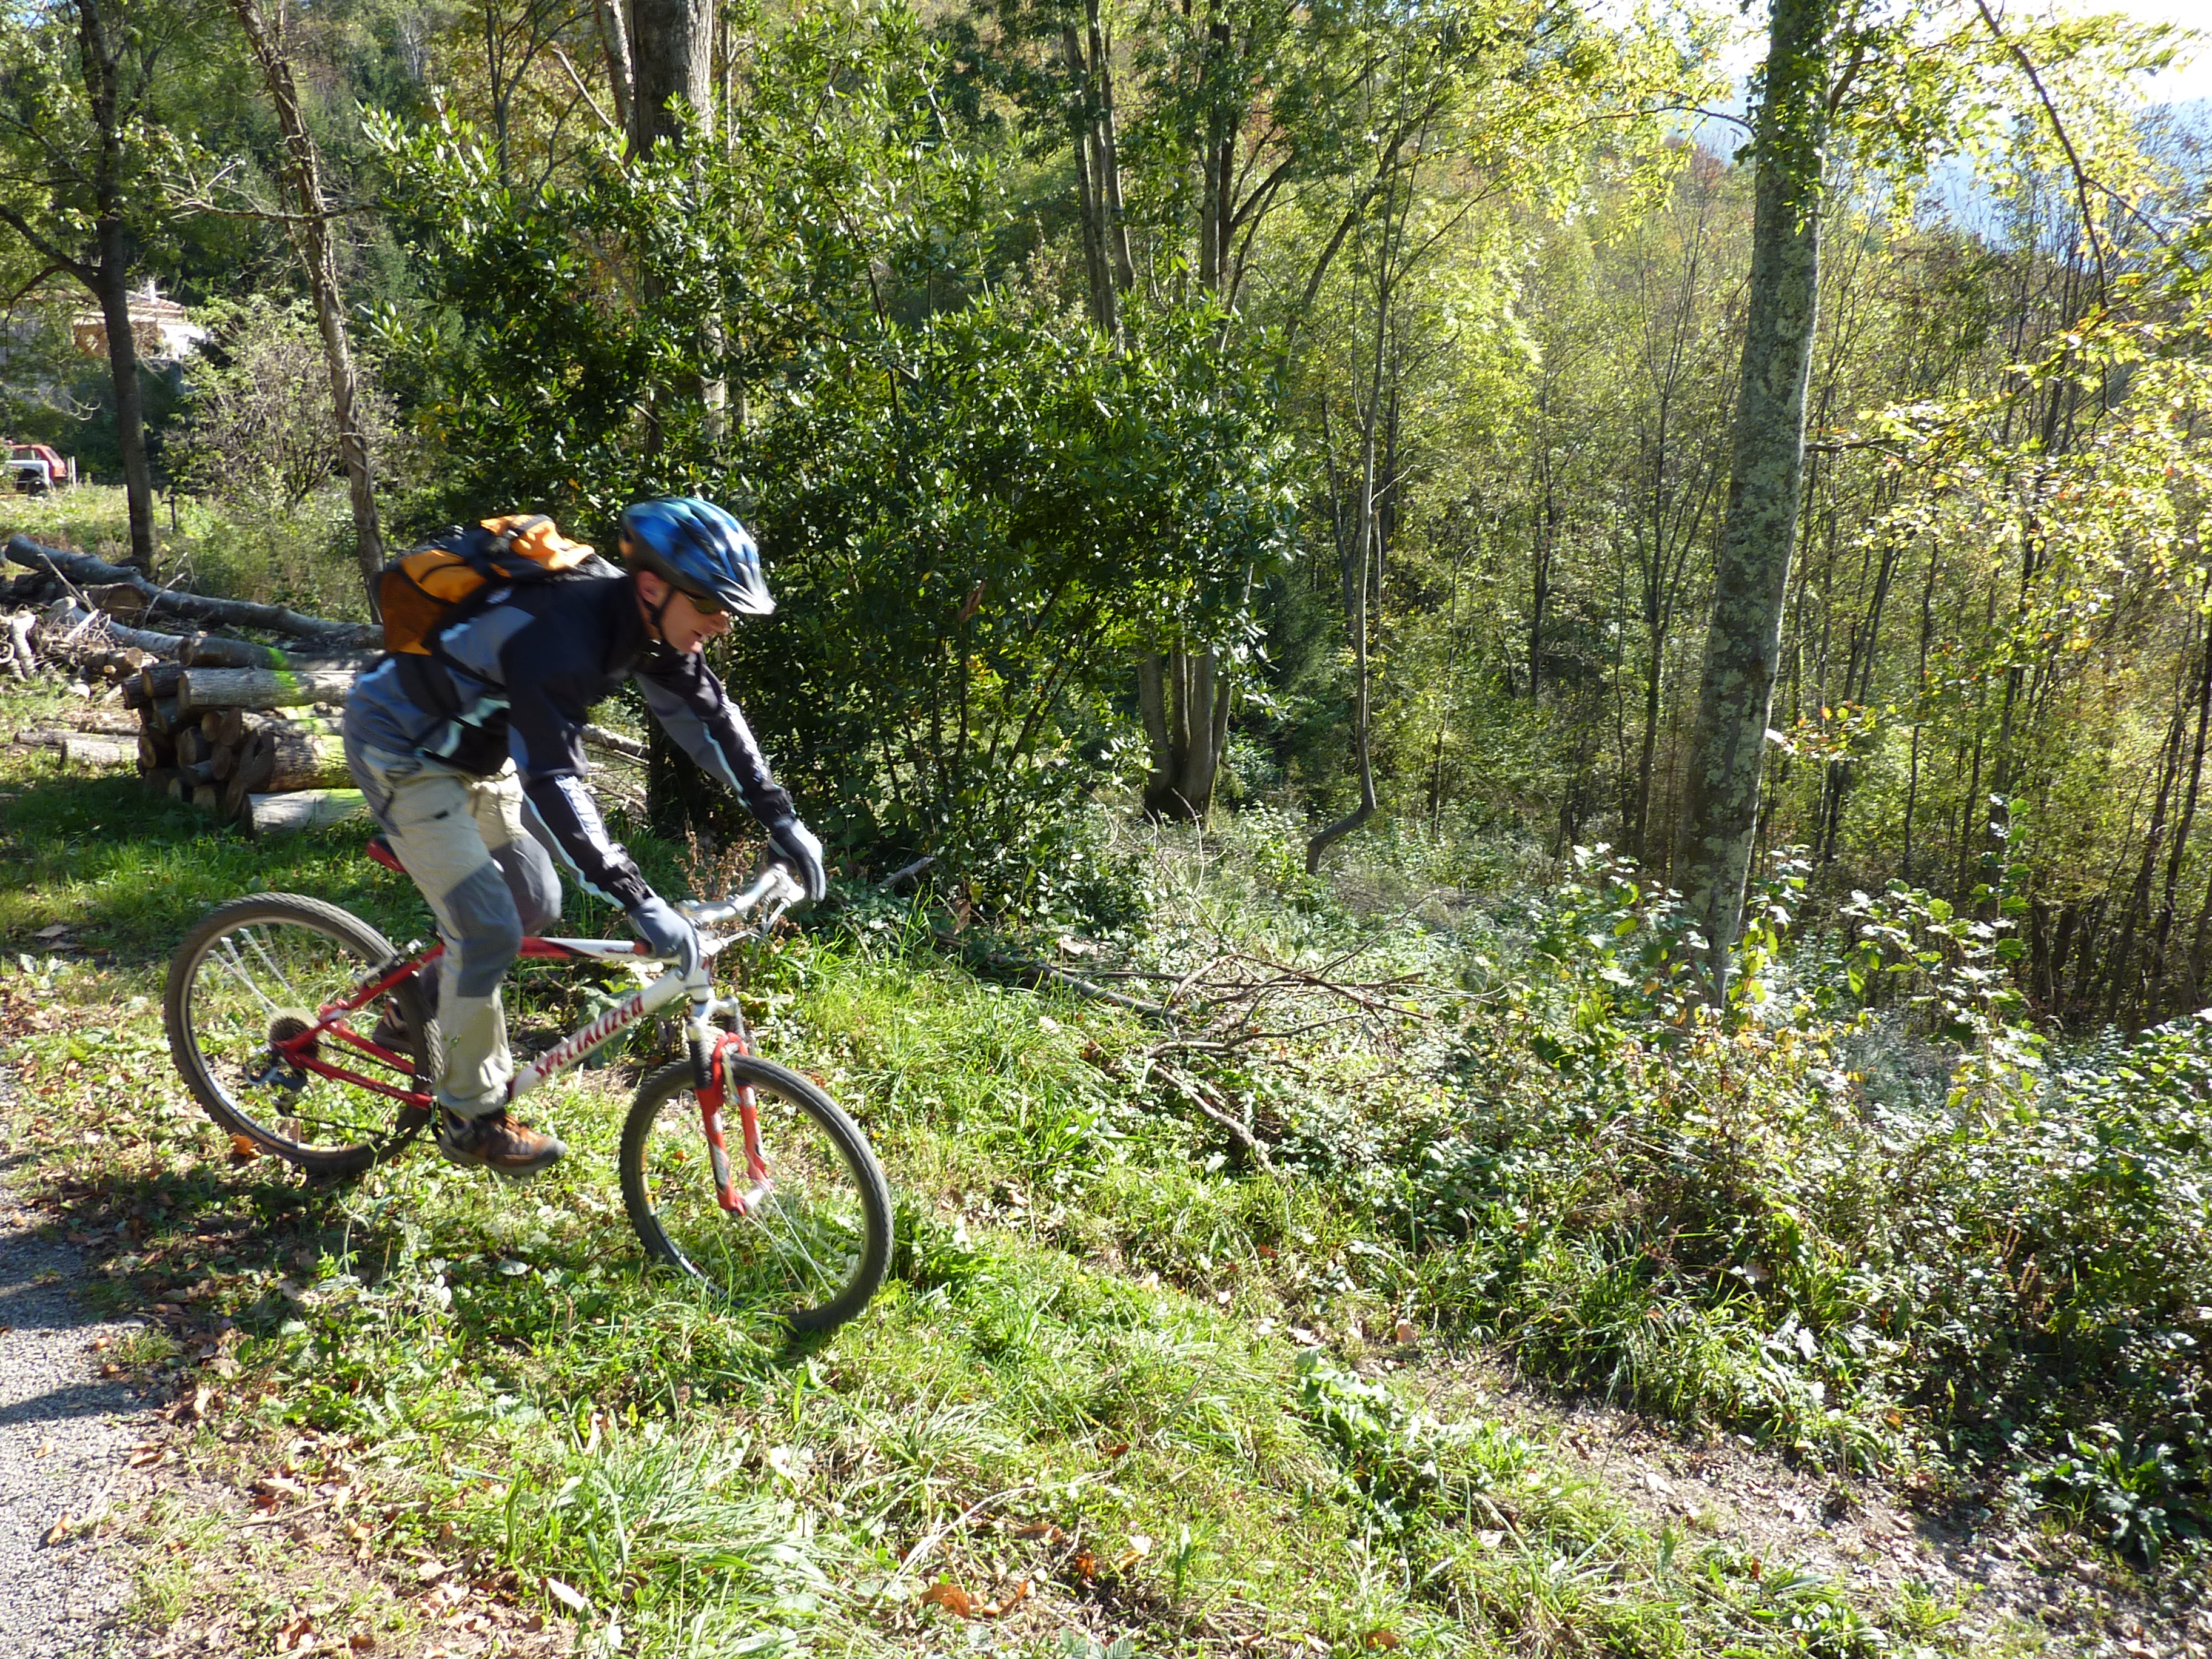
496	1142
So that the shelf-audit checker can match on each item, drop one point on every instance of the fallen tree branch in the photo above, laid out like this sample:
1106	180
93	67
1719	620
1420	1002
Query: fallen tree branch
904	873
334	637
601	738
1033	973
1195	1093
210	649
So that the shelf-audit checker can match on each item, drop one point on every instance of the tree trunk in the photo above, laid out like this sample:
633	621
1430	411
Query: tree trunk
1216	159
319	255
1544	523
99	57
310	809
672	57
202	688
1728	747
1353	564
2124	974
100	752
1654	684
614	39
1107	142
113	286
1184	698
1106	261
279	757
2163	935
2085	970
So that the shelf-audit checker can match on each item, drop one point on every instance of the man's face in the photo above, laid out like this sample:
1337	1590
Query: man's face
685	626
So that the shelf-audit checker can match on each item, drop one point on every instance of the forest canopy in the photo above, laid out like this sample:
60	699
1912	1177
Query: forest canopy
1340	409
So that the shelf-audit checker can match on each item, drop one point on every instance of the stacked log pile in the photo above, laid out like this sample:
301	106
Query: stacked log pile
240	729
202	739
244	730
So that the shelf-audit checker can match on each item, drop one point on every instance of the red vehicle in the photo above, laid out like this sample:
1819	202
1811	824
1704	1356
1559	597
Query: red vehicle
37	468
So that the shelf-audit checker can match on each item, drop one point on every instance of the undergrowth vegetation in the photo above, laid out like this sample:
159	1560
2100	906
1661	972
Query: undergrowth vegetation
1143	1368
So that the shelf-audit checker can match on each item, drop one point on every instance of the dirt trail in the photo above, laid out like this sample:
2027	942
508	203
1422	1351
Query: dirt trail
64	1435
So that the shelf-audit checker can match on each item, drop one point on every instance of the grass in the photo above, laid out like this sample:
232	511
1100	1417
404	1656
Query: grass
1078	1403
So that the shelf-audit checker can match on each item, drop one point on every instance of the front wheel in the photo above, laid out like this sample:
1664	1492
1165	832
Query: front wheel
813	1239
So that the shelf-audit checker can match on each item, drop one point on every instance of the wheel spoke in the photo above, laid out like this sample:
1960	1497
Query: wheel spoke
230	960
261	949
246	990
770	1204
800	1251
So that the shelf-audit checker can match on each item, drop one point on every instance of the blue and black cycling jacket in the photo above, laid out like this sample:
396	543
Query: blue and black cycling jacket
518	679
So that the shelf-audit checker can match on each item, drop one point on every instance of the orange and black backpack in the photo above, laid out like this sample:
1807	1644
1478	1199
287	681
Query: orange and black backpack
449	578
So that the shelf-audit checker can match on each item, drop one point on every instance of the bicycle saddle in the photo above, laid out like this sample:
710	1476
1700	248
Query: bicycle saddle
380	850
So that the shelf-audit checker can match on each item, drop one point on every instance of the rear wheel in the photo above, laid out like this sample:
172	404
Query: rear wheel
259	970
815	1237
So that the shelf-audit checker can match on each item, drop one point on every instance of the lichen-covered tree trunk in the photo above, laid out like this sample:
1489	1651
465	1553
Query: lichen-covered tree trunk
1727	746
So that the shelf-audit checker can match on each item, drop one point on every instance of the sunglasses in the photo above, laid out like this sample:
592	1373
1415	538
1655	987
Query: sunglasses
702	604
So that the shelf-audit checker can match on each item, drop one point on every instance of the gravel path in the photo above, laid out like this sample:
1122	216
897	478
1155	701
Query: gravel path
63	1434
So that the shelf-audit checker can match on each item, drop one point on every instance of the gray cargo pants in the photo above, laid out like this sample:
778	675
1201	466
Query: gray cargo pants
472	846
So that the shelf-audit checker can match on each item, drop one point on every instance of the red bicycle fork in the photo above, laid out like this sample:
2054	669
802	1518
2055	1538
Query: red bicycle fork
712	1098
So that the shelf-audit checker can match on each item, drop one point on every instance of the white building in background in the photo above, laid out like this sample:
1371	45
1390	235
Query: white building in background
163	333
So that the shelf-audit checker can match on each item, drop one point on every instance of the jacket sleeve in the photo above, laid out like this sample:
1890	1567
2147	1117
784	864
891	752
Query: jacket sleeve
692	708
545	736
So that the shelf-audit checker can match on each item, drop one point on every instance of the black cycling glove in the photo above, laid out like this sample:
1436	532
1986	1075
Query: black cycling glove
667	932
794	845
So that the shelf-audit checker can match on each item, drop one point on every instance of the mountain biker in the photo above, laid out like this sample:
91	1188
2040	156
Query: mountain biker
471	760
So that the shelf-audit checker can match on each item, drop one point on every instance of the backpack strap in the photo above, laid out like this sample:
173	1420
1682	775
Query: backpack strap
428	677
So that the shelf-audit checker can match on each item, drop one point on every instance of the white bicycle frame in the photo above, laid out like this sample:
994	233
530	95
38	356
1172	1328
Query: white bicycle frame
773	888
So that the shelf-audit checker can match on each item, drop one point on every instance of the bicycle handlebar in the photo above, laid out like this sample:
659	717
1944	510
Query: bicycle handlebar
775	886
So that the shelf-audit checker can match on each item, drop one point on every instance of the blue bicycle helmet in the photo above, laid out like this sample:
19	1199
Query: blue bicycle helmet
697	548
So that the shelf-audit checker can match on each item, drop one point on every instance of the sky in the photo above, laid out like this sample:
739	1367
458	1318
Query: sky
2192	80
2184	83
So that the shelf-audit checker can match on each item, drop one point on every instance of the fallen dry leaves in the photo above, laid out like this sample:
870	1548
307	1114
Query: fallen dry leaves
574	1600
954	1599
961	1605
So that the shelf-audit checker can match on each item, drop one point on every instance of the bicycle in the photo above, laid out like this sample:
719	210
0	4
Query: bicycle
259	1006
